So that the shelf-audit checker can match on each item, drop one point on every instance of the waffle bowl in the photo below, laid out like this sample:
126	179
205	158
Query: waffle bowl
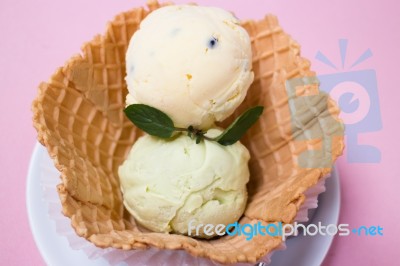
79	117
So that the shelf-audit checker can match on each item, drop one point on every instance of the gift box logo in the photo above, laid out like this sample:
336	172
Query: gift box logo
356	93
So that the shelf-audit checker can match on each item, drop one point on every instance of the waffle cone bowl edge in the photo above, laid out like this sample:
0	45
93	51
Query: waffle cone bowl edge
78	114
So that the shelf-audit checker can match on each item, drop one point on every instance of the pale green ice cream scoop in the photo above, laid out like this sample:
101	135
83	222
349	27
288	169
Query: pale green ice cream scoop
168	183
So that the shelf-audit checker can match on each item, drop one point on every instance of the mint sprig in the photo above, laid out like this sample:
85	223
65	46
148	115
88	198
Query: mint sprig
157	123
151	120
239	127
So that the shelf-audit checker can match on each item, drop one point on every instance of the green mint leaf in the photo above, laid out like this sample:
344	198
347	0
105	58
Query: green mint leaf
237	129
150	120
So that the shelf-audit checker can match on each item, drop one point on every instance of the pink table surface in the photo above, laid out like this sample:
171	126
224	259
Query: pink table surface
38	36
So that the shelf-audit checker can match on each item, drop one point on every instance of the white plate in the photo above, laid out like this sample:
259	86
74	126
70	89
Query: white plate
56	250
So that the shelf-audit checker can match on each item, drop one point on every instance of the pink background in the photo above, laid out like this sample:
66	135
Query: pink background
38	36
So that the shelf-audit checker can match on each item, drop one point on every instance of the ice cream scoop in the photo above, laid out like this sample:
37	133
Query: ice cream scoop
191	62
168	183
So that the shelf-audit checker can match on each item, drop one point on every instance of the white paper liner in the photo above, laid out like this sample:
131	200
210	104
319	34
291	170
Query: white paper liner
49	179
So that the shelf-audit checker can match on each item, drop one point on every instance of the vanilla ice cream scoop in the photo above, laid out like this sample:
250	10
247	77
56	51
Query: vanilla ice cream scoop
191	62
168	183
